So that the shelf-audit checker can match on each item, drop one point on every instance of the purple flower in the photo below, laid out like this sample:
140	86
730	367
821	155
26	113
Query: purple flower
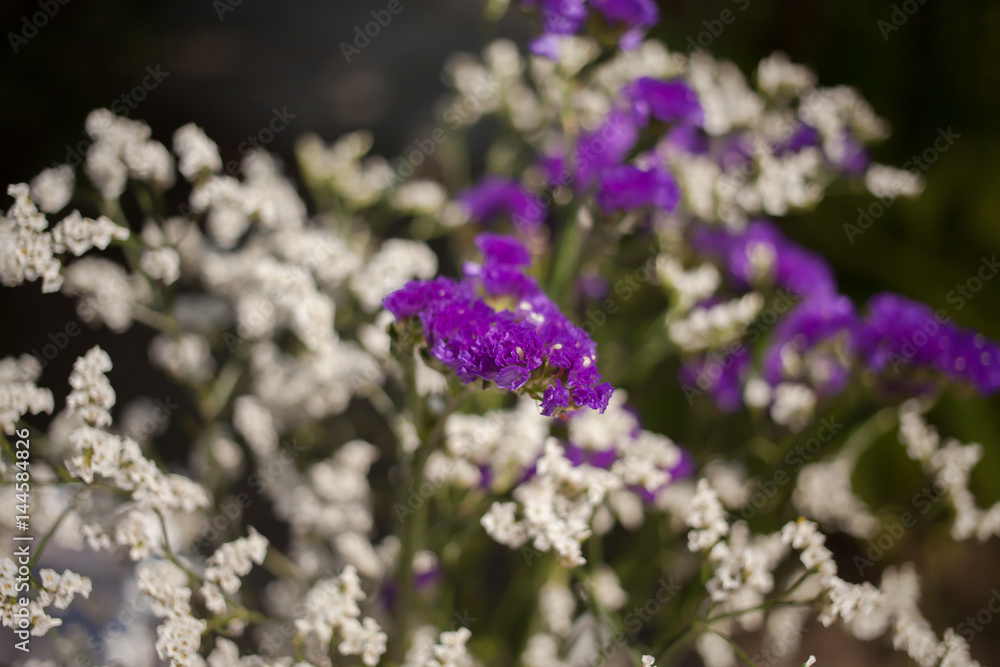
668	101
820	337
502	251
804	136
793	267
607	146
686	139
626	188
854	158
496	196
567	17
496	324
903	334
556	399
719	374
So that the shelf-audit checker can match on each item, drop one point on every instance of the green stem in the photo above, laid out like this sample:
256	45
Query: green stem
736	647
55	526
414	525
564	265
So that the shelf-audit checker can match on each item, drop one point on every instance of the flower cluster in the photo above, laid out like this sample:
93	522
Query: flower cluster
497	324
315	360
822	342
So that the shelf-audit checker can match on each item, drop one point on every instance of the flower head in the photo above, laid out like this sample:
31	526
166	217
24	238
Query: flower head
496	324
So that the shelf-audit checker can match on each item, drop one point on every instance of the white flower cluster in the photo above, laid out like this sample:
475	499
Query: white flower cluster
92	396
823	492
558	506
26	252
19	394
121	150
950	466
225	567
53	188
448	650
56	589
868	611
119	459
106	291
339	167
197	154
706	517
78	234
332	606
715	326
689	287
505	441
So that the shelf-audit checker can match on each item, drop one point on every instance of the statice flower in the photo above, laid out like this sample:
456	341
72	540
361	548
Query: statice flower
626	188
19	393
816	342
566	17
903	334
667	101
497	324
761	254
495	196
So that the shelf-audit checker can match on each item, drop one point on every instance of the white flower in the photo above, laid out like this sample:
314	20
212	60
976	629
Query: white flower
232	561
106	290
254	422
162	264
196	152
25	247
188	357
53	188
78	234
92	396
178	639
19	394
363	638
706	517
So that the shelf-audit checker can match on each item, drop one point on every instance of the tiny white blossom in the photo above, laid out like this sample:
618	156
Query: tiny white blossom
53	188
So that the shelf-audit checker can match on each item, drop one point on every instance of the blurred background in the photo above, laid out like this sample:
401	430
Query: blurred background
231	65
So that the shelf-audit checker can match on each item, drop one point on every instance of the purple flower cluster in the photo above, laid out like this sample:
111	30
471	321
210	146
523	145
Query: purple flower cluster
600	155
900	332
567	17
740	253
496	196
823	340
497	324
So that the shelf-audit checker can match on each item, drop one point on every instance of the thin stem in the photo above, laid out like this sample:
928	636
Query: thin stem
413	525
736	647
55	526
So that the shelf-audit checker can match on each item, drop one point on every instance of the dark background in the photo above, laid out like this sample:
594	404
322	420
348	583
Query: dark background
940	69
